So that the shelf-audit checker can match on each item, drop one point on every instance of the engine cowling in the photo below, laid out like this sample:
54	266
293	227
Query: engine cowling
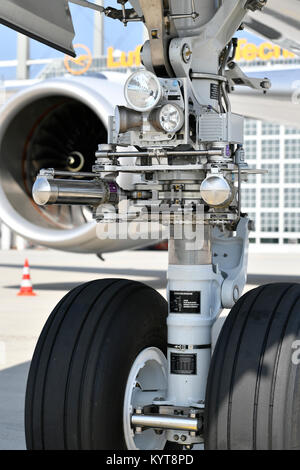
55	124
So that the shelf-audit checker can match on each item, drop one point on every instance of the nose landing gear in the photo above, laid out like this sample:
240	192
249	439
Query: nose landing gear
99	377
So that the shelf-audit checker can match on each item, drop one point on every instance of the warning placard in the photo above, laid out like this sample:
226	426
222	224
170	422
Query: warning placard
185	301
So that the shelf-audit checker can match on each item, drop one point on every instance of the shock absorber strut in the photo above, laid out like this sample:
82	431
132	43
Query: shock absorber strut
194	302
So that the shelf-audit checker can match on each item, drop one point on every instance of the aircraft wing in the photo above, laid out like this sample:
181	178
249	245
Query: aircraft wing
279	22
47	21
281	104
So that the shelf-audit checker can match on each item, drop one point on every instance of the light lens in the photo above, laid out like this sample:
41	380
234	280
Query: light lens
215	190
171	118
143	91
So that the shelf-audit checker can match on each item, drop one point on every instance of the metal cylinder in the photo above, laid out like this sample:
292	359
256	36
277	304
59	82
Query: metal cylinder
194	296
127	118
59	191
178	423
191	252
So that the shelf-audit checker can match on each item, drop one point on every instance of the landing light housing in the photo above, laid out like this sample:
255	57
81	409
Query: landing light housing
143	91
216	191
168	118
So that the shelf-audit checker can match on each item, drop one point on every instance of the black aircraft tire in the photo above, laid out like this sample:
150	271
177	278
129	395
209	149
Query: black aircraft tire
80	367
253	389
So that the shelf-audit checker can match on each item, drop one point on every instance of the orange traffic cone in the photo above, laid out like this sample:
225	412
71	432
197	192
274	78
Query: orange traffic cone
26	286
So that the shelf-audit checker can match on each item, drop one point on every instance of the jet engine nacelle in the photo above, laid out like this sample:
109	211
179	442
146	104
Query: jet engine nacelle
55	124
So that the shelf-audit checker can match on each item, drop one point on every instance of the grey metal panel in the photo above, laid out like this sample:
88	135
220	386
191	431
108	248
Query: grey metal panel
49	22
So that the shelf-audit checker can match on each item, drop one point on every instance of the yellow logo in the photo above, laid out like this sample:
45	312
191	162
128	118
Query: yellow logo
245	51
80	64
264	51
132	59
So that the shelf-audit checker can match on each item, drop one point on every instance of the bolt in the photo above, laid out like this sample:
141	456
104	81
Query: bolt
266	84
192	434
138	430
158	431
251	225
186	53
183	438
139	410
176	437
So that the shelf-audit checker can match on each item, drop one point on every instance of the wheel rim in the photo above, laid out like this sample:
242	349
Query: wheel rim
146	381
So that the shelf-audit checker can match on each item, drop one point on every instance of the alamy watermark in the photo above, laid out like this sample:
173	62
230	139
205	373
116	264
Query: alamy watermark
135	222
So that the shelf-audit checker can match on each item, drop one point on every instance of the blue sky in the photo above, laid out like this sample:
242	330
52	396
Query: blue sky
114	33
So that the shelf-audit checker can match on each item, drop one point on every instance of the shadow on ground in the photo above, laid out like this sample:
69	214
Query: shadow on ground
158	281
87	270
157	278
12	392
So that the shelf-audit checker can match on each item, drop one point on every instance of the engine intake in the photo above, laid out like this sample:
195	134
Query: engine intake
56	123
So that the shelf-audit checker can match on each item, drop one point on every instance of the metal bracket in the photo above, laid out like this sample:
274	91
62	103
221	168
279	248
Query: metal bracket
254	5
154	14
231	256
236	76
124	15
86	4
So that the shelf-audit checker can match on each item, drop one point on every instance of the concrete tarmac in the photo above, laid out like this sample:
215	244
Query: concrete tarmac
53	275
